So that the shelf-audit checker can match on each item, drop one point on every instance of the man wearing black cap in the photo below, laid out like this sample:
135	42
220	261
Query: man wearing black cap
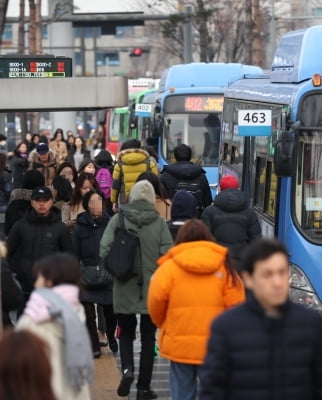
38	234
44	160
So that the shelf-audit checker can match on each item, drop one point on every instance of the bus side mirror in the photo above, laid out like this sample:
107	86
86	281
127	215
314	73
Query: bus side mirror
284	157
157	126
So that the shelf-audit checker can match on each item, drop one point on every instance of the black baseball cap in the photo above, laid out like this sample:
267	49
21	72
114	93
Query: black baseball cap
42	148
41	192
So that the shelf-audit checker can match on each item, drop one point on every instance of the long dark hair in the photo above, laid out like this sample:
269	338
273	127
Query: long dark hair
68	165
156	183
83	147
25	370
193	230
76	196
87	198
57	131
63	187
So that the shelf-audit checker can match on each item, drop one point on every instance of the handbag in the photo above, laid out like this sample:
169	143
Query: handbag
94	276
120	259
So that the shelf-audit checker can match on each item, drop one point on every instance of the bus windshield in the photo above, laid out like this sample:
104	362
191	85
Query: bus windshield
308	193
199	131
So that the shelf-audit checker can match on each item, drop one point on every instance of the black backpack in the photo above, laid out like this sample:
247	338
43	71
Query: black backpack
193	186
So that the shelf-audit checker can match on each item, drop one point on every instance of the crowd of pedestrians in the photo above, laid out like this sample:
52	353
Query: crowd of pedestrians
197	256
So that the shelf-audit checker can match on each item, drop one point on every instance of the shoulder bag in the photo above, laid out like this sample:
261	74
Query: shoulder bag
94	276
120	260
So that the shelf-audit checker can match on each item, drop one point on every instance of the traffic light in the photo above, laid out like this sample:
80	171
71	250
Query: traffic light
136	52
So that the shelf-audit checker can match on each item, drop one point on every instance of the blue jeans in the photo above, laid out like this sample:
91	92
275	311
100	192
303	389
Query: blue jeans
183	381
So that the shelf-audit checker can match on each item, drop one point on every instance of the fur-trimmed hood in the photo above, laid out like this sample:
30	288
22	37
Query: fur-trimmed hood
20	194
133	156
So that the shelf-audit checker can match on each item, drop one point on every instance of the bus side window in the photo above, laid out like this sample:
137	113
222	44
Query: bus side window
260	182
265	186
226	153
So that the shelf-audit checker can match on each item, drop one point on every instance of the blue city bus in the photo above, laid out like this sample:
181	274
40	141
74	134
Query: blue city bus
272	141
191	101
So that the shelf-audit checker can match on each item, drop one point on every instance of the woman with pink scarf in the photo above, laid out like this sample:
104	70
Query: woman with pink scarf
54	313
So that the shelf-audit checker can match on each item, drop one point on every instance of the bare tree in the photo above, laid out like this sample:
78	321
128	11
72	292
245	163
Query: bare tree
35	45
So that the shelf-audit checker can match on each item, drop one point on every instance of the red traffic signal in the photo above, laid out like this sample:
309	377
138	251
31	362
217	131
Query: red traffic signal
137	52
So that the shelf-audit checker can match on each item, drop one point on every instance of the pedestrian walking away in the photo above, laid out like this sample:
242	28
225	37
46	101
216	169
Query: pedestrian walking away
184	174
130	297
192	285
230	220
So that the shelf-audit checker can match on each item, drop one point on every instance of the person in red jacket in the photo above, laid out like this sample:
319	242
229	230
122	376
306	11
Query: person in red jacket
192	285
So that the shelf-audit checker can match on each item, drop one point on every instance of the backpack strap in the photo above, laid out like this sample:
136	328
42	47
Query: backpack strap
147	162
140	274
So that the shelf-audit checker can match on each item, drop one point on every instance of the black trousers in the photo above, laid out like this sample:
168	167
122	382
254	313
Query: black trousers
127	324
110	319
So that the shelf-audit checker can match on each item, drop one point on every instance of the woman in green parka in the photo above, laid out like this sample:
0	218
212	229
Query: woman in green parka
129	298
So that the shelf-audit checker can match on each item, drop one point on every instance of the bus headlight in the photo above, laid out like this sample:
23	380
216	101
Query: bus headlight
301	291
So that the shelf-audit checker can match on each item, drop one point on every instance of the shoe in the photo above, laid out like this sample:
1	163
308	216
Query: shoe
97	354
102	338
126	382
114	346
147	394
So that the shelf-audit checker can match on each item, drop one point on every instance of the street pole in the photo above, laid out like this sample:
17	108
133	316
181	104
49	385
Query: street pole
187	35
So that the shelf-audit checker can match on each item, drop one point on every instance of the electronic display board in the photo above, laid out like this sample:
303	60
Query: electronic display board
35	67
195	103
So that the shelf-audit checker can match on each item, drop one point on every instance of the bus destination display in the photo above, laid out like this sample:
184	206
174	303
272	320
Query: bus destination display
202	103
53	67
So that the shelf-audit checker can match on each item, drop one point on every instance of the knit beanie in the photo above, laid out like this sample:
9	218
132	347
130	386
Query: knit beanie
228	182
33	179
183	205
142	190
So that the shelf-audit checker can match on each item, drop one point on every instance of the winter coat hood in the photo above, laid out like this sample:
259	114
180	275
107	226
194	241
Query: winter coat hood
188	256
142	190
20	194
184	170
140	213
133	156
231	200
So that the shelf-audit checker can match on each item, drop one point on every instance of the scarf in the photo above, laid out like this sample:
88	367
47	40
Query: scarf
57	304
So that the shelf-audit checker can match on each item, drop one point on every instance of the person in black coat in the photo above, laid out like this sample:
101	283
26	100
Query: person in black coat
19	164
5	183
39	233
87	234
268	348
11	294
230	220
19	200
188	175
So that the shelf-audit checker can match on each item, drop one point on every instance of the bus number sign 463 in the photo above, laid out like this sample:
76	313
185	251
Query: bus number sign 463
254	122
